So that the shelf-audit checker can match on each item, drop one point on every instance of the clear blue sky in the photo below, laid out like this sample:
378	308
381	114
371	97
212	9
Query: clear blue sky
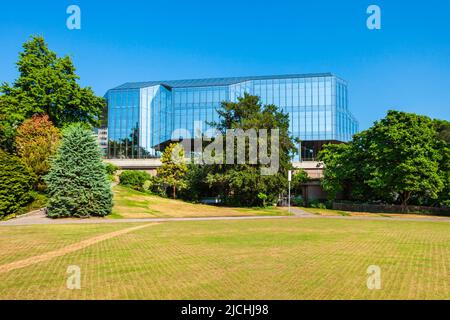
405	65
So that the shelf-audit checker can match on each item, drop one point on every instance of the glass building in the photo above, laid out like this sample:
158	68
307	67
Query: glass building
143	115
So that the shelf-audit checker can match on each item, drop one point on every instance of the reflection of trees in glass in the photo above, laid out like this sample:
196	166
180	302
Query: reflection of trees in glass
128	147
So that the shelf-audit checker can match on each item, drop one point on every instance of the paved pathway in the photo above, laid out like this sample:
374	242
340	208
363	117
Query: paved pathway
301	213
39	218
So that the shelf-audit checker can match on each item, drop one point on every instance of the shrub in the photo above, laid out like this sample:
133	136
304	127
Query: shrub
263	198
159	186
77	182
317	204
36	141
16	184
147	185
134	178
111	170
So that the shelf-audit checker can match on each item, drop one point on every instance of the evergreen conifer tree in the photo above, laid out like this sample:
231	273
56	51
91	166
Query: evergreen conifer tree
78	185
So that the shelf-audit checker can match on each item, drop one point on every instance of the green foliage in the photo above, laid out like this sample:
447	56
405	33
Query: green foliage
16	184
317	204
237	184
134	179
78	185
173	169
299	177
147	185
342	170
263	197
7	130
36	141
443	130
196	183
46	84
111	169
399	159
39	201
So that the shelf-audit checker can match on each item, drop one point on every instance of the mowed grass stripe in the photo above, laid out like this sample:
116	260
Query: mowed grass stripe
276	259
66	250
21	242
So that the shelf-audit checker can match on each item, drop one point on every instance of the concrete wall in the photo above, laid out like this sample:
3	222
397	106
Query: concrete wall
137	164
314	169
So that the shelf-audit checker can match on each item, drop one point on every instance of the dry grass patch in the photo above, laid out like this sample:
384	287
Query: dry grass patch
330	212
129	203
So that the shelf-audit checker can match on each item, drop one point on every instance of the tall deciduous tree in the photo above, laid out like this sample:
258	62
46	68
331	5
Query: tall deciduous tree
239	184
443	130
173	169
46	84
398	159
36	141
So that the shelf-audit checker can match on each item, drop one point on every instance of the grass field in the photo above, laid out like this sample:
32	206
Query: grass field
251	259
130	203
330	212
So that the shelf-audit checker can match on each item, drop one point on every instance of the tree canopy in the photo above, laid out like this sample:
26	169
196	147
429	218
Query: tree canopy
36	141
173	169
239	184
399	159
46	84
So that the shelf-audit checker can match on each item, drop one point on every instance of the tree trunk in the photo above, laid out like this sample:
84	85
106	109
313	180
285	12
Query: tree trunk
405	198
174	192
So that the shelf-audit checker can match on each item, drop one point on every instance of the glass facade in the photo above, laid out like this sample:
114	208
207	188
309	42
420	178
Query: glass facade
142	116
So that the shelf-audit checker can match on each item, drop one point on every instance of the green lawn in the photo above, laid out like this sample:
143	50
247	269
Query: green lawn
251	259
331	212
129	203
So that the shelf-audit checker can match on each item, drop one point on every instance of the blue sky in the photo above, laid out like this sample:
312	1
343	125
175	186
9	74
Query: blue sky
405	65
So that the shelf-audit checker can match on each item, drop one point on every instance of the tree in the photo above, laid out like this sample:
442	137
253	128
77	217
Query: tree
78	184
345	172
36	141
396	160
16	184
239	184
299	177
7	130
197	186
443	130
173	169
46	84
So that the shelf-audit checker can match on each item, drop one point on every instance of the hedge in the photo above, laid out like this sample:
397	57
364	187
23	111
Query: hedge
16	184
134	178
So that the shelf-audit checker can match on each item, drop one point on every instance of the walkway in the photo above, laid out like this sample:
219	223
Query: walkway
39	218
